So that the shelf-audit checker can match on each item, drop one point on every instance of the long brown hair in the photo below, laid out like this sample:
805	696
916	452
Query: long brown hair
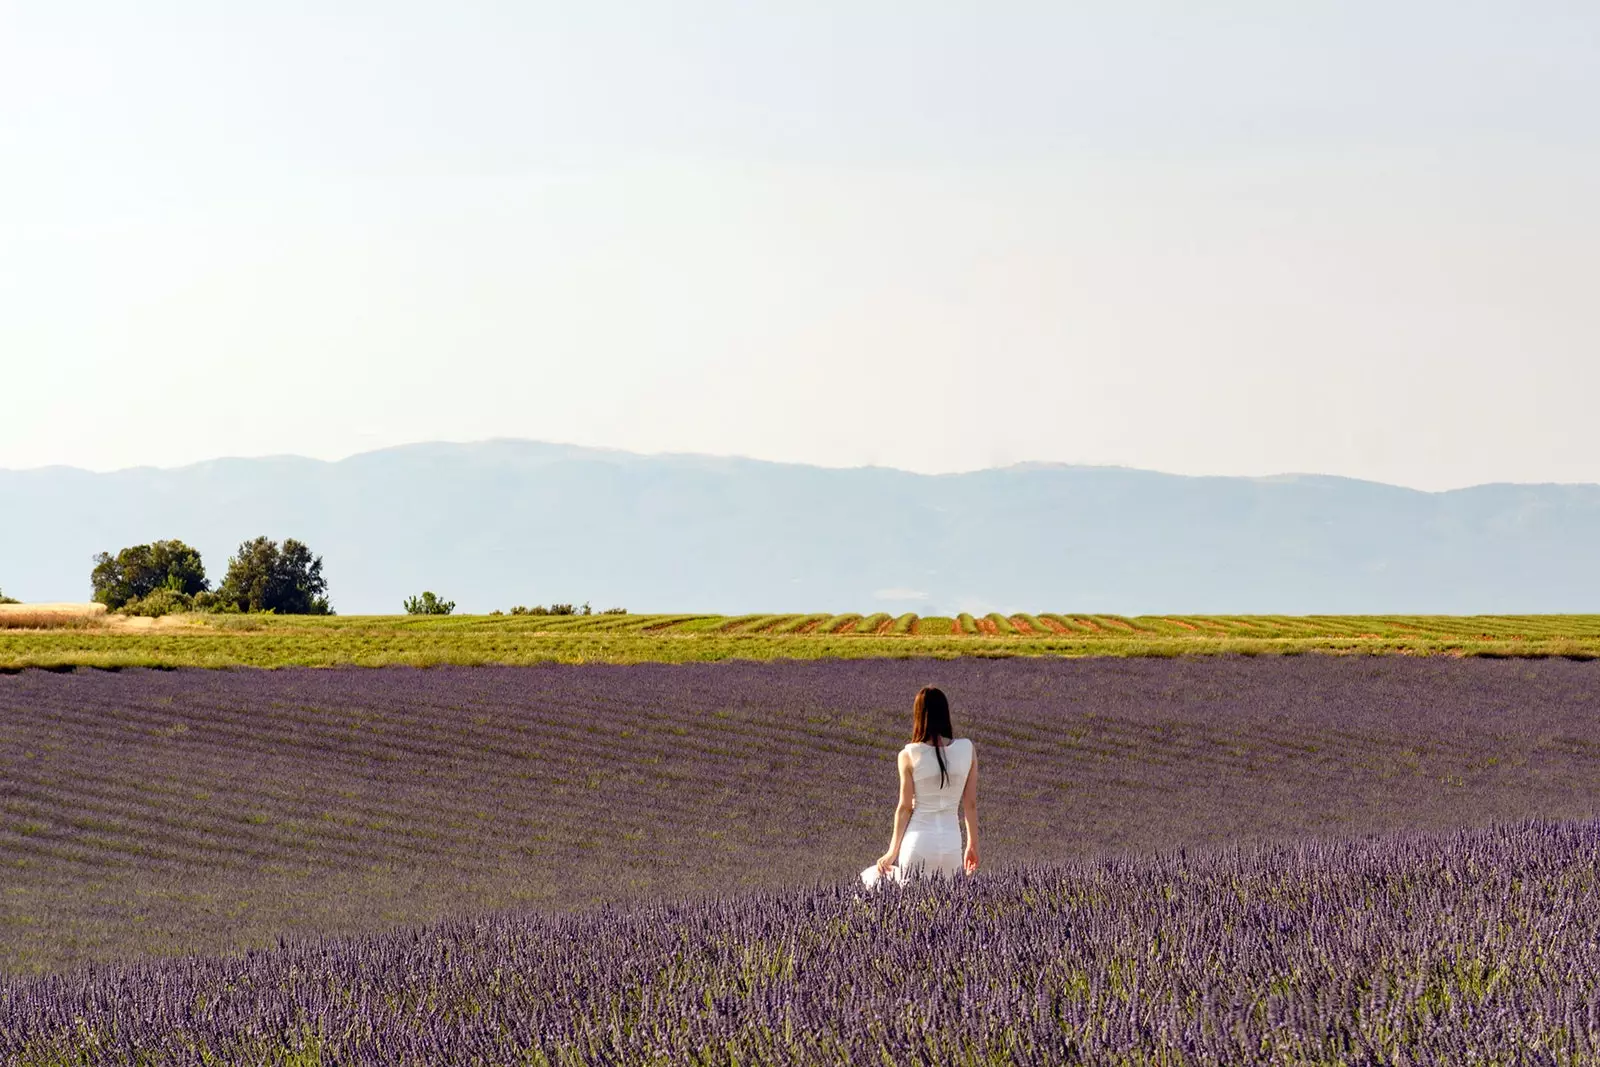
930	720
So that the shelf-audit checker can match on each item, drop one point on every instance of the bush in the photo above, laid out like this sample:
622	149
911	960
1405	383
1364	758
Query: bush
428	604
159	603
561	609
7	600
213	604
553	609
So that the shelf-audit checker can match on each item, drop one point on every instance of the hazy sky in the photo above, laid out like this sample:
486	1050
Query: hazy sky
1348	237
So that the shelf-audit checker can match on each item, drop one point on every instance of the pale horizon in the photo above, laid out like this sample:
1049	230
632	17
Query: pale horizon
1344	239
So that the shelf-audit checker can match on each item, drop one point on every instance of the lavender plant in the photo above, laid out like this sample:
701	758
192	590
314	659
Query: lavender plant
1474	947
161	813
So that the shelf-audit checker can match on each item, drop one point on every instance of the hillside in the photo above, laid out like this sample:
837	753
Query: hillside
506	522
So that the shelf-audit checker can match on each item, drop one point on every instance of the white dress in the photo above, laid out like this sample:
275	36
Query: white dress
932	844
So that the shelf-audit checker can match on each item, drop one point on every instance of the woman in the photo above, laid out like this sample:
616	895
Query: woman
938	772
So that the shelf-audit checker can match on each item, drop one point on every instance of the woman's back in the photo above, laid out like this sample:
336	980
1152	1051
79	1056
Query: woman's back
936	804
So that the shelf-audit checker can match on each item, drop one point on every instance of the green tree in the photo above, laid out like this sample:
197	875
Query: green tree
140	570
428	604
7	600
264	577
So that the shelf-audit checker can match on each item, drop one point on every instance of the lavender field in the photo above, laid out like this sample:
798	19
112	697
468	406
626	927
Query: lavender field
1474	947
157	813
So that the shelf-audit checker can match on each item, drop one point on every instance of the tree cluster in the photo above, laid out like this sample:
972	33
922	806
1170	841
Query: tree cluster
7	600
263	576
137	572
169	576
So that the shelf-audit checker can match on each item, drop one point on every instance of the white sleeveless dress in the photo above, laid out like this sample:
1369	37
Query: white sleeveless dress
932	844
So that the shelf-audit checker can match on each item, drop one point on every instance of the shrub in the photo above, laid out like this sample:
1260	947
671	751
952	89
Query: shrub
553	609
615	611
159	603
7	600
213	604
428	604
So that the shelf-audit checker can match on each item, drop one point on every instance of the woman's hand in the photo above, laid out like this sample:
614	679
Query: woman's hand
886	861
970	861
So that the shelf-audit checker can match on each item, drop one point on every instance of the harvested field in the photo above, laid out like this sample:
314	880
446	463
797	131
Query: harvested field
51	616
274	641
47	617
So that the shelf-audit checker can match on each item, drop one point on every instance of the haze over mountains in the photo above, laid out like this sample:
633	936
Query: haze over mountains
507	522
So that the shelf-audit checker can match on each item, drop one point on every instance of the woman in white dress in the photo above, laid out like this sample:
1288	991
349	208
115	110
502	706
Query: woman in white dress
938	777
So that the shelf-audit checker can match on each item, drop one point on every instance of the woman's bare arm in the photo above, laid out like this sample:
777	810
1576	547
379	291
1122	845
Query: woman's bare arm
902	813
969	813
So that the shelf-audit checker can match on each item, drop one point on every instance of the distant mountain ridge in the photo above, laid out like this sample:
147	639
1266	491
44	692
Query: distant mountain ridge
505	522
